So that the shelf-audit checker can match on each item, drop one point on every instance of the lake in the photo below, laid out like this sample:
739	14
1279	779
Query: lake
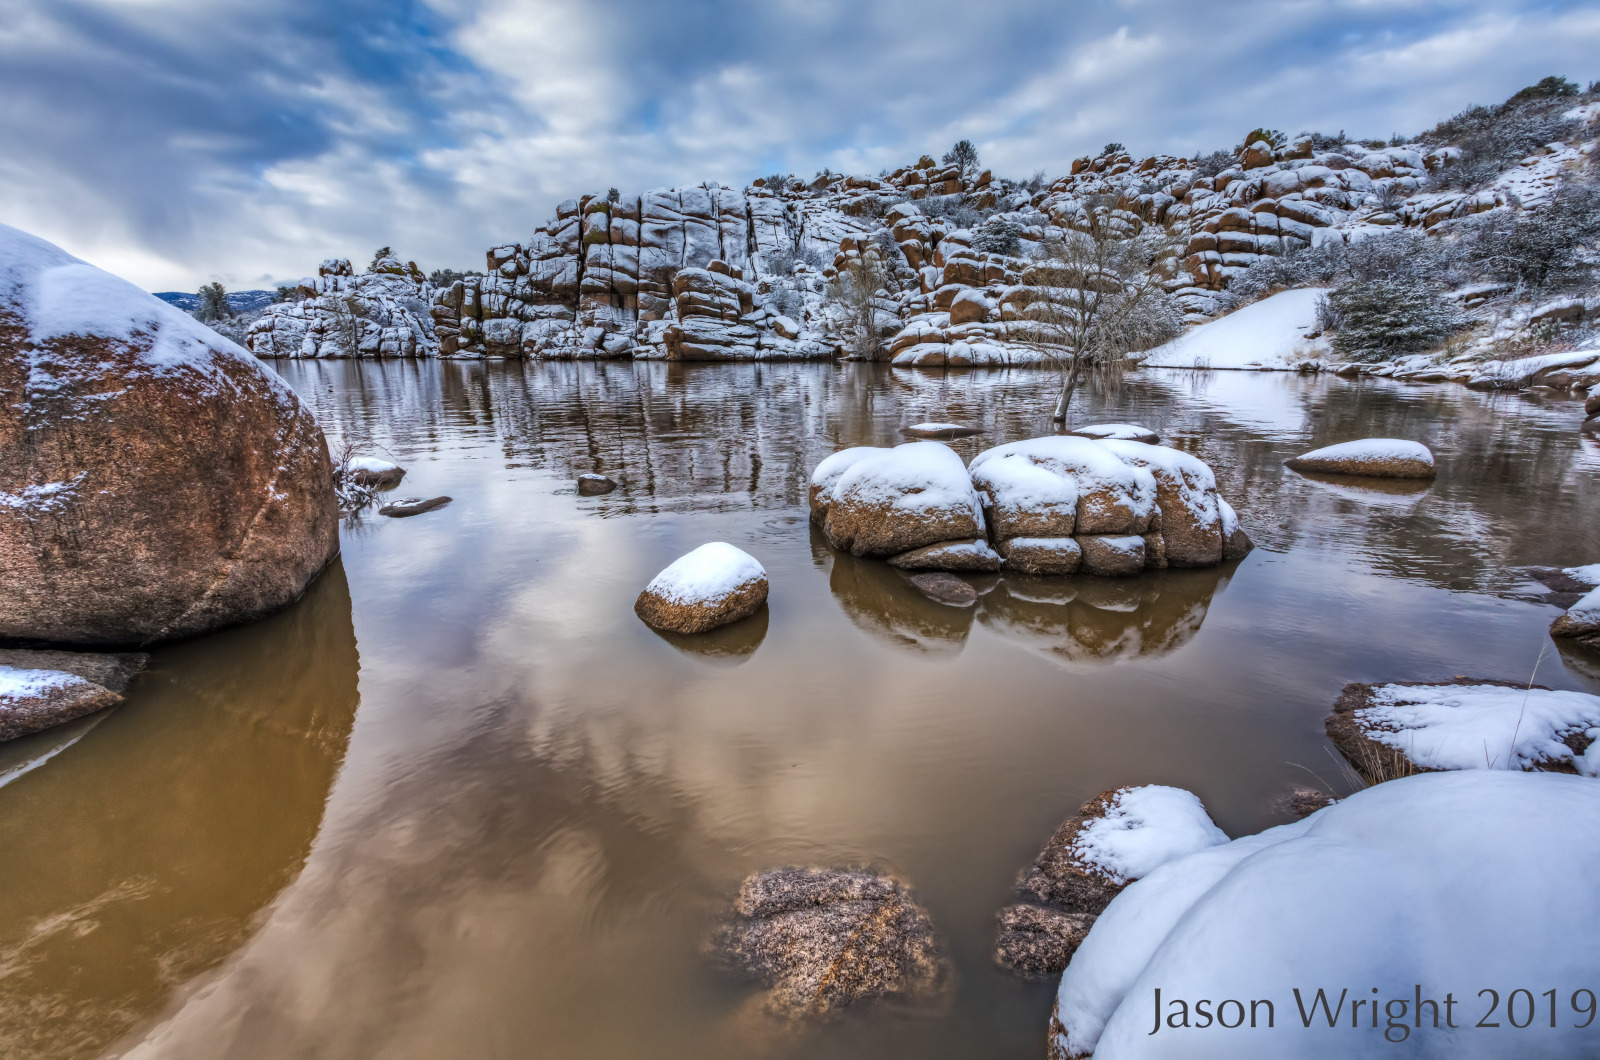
460	801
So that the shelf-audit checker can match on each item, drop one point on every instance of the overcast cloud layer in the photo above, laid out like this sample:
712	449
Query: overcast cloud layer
179	141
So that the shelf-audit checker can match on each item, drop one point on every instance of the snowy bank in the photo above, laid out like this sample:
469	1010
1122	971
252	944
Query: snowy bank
1432	887
1271	333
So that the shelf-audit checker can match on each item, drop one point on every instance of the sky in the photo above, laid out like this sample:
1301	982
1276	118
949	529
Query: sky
176	142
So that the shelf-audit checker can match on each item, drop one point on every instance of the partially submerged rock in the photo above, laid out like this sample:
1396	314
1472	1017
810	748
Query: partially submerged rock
1581	623
42	689
374	472
895	500
709	587
973	555
945	588
825	939
1371	457
1395	730
1115	838
940	431
1042	555
413	506
156	481
1125	432
593	485
1301	801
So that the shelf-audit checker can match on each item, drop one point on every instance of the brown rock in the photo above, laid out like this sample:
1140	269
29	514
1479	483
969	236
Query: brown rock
1060	879
594	485
972	555
1042	555
824	939
1186	494
1371	457
1591	406
412	506
1582	627
1035	942
884	508
1112	555
161	481
76	684
1236	545
686	598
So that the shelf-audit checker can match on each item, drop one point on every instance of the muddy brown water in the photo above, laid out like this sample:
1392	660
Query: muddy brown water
459	801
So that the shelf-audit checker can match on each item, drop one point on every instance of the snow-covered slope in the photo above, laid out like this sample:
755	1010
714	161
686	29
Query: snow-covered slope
1271	333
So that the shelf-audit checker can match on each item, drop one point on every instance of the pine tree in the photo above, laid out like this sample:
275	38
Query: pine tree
213	304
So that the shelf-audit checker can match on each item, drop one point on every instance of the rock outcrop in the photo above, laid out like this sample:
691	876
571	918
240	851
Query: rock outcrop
1051	506
821	940
156	481
338	313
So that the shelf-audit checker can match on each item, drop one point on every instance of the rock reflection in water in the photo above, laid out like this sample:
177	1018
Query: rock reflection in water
139	855
730	645
1078	619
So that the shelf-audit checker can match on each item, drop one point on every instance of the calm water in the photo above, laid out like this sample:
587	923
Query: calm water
460	802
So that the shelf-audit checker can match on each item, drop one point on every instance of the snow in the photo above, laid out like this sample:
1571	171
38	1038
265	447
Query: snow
1195	481
1474	726
1230	518
1130	432
372	465
707	574
827	474
1088	464
914	477
935	427
1016	484
1372	450
1127	544
17	684
60	295
1144	828
1443	882
1269	333
1587	610
1588	574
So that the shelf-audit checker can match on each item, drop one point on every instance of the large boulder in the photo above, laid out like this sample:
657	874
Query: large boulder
824	939
895	500
156	481
1186	492
1113	497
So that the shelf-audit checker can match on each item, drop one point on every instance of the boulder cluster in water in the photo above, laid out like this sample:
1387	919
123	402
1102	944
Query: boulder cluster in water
1053	505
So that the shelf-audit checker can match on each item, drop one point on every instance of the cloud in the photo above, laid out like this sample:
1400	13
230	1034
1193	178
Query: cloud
177	141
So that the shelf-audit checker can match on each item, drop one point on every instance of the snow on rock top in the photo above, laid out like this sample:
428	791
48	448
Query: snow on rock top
1589	574
708	573
1453	881
1270	333
1144	828
1103	480
827	474
1127	432
1373	449
20	684
58	295
916	476
1477	726
375	465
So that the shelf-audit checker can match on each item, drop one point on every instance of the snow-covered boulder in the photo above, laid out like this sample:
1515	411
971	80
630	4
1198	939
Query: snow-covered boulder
156	481
822	940
973	555
1186	493
1112	497
374	472
42	689
1582	620
896	500
1392	730
1124	432
709	587
1372	457
1421	895
1115	838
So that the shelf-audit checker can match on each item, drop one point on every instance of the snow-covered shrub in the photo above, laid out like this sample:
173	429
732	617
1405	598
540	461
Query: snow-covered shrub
1214	163
1493	137
1541	248
1378	318
951	210
998	235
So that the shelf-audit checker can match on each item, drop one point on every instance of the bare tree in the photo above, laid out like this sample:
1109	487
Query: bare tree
859	291
1092	297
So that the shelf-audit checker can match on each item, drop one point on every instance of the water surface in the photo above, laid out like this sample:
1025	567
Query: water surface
470	806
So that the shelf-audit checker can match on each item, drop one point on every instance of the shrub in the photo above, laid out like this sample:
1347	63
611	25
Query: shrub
1112	148
213	304
446	277
1538	248
613	195
1493	137
284	293
1545	88
952	210
1036	182
1374	319
1214	163
998	235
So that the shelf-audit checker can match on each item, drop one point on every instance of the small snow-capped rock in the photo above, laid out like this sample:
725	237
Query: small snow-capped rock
709	587
410	506
974	555
1124	432
940	431
42	689
593	485
1372	457
375	472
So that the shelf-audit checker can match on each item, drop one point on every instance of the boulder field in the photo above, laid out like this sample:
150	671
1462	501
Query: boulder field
156	480
1052	505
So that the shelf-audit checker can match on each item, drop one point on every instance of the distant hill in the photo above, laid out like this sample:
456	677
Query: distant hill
241	301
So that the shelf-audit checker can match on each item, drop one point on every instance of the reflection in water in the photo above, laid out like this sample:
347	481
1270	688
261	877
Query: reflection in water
881	600
1400	494
138	855
728	645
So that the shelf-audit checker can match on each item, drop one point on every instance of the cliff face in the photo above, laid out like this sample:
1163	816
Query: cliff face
706	272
